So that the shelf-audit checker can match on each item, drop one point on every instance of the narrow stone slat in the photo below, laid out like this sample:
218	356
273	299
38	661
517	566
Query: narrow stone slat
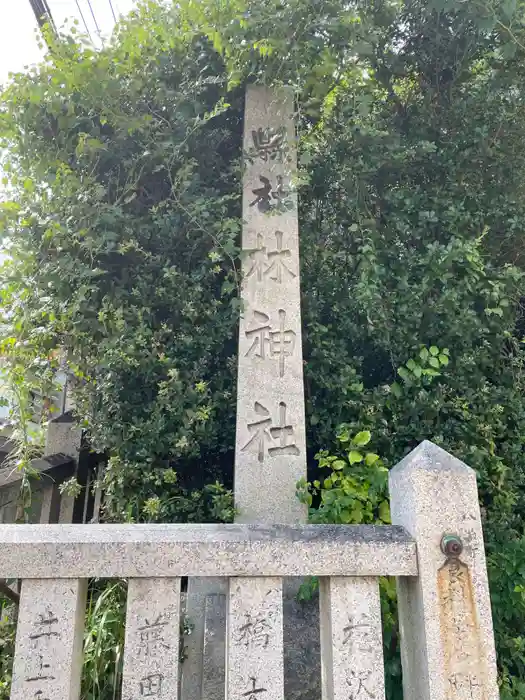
48	656
351	639
151	649
255	639
50	508
214	648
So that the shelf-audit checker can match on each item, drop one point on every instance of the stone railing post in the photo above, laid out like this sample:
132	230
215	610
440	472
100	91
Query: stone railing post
49	635
151	649
351	639
63	437
447	638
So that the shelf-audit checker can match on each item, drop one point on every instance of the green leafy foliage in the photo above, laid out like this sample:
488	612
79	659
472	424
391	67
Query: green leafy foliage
355	489
104	640
122	221
123	167
7	645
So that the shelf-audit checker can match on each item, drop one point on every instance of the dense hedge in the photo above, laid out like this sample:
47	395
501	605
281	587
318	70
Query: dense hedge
123	230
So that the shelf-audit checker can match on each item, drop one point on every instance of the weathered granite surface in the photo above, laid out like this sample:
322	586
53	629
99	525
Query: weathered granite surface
270	444
270	440
351	639
151	651
143	551
213	668
195	667
302	650
445	615
255	639
48	657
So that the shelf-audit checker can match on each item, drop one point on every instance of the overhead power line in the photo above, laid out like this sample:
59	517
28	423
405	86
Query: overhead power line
113	11
94	18
83	20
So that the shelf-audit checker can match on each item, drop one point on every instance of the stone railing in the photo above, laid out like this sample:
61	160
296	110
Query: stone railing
435	550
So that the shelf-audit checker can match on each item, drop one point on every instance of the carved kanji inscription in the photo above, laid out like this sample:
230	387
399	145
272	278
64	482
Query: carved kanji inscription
268	145
267	340
273	264
269	438
464	658
272	195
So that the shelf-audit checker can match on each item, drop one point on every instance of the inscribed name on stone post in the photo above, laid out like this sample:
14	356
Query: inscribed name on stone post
351	639
255	639
465	666
48	656
151	649
270	446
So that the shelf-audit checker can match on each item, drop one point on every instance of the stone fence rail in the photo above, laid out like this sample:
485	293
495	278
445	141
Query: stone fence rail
435	549
138	551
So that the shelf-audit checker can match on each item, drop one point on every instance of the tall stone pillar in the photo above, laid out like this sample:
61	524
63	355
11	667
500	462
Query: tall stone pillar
270	443
270	447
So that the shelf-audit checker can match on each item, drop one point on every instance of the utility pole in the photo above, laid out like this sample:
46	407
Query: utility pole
43	14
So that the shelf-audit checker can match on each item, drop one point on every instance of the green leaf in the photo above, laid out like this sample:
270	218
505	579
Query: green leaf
384	511
443	359
417	371
362	438
29	185
434	362
396	390
327	483
508	50
371	458
357	512
338	464
431	373
10	207
354	456
508	9
411	365
423	354
403	373
343	436
434	350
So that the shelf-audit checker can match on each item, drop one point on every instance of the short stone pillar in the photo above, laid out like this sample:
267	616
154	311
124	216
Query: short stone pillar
351	639
255	639
63	437
49	636
448	650
151	649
